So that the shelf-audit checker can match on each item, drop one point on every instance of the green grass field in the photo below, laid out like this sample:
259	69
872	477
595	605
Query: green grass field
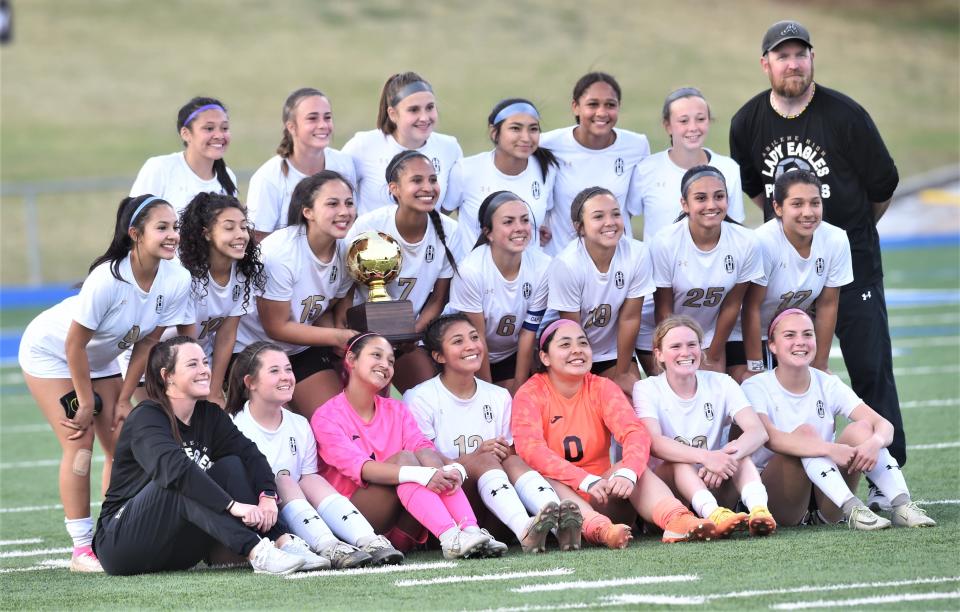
797	566
91	89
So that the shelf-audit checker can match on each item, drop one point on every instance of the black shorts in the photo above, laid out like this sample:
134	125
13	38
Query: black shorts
599	367
504	369
314	359
117	375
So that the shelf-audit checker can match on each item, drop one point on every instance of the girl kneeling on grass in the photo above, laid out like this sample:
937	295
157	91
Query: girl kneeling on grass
185	479
562	423
797	405
468	419
373	453
686	411
261	383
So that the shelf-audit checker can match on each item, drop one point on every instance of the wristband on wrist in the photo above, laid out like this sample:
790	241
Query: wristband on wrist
456	466
416	473
231	504
588	482
755	365
269	495
627	473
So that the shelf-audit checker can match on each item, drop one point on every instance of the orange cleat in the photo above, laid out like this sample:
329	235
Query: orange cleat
728	521
761	521
688	527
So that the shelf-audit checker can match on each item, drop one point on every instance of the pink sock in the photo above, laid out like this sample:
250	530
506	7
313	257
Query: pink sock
459	508
425	506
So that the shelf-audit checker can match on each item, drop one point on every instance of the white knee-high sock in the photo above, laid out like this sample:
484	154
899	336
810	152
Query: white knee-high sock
534	491
345	520
825	475
80	530
704	502
754	494
888	477
303	520
500	496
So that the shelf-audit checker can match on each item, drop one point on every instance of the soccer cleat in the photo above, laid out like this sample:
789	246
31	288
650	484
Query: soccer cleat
876	500
534	538
464	544
493	547
299	548
344	556
569	524
382	552
611	535
268	559
761	522
911	515
688	527
727	521
84	560
863	519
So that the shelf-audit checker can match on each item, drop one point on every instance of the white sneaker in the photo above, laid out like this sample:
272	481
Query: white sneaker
876	500
84	560
382	552
268	559
344	556
863	519
911	515
493	547
297	547
463	544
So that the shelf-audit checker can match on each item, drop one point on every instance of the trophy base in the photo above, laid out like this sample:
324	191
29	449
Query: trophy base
394	320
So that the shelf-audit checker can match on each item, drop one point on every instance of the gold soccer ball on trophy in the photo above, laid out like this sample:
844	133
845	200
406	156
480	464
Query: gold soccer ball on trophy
374	259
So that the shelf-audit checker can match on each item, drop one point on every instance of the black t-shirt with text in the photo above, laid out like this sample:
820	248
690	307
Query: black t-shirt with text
835	138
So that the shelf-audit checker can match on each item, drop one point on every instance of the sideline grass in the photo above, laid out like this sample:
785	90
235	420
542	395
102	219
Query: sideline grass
91	89
797	558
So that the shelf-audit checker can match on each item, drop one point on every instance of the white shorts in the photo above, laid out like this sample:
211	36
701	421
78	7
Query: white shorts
38	361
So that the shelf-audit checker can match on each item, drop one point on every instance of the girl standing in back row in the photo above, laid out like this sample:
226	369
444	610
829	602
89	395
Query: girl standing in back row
406	119
592	152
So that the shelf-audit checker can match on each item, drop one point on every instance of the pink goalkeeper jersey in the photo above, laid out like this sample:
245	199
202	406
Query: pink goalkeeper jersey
345	441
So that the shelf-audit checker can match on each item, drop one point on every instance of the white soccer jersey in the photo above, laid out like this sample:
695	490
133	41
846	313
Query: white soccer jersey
793	281
295	275
656	190
699	421
474	178
372	151
581	167
457	426
423	262
701	279
505	305
209	311
268	196
118	311
290	447
169	177
824	399
577	286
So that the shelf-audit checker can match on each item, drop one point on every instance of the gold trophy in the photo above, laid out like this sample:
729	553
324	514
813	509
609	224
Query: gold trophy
374	259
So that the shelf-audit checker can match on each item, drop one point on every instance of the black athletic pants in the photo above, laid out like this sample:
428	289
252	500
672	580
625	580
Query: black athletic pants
864	333
162	530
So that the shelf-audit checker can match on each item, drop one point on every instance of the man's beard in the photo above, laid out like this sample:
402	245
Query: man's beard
790	88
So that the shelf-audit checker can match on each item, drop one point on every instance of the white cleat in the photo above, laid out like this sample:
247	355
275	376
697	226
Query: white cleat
84	560
911	515
464	544
863	519
268	559
297	547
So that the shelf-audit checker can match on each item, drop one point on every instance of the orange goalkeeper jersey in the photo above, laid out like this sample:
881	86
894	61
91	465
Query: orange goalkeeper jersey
568	438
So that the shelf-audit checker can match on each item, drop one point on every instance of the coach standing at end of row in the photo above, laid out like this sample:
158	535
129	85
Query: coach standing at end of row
799	124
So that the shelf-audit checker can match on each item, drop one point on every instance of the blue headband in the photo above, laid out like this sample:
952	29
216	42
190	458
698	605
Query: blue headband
140	208
515	109
205	107
408	90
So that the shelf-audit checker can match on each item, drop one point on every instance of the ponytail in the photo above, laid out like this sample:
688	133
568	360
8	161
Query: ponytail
285	148
187	113
438	228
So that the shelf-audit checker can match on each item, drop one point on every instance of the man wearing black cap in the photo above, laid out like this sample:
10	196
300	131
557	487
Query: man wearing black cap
799	124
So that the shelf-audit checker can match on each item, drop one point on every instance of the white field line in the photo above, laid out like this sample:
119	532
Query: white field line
939	502
23	429
363	571
923	320
46	564
559	571
866	601
927	370
40	508
939	446
20	542
19	465
603	584
40	552
934	403
628	599
925	341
